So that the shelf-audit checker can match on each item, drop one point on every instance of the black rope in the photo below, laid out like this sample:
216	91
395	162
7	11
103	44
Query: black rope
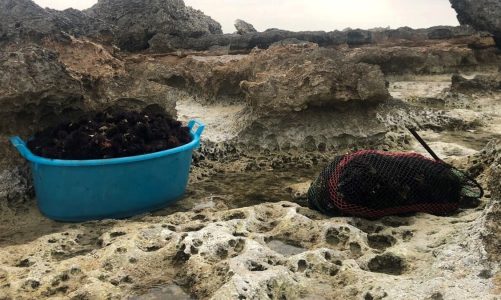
424	144
435	156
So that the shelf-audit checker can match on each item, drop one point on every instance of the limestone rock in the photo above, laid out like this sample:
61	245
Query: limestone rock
308	77
481	14
244	27
268	251
35	90
415	60
139	21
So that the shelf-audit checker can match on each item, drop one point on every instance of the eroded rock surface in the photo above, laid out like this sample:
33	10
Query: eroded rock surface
480	83
24	21
266	251
244	27
296	77
482	14
139	21
34	88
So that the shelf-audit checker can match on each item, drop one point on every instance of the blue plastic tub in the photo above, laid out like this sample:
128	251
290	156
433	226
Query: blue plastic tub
80	190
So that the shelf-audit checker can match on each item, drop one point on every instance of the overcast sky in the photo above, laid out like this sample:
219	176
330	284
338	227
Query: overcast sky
312	14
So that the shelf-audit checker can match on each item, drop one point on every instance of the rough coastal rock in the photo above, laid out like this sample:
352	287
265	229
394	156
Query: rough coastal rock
479	83
267	251
25	21
79	24
282	78
481	14
352	38
243	27
433	59
138	21
295	77
35	88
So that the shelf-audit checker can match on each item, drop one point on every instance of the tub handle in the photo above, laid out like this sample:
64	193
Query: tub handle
21	146
196	127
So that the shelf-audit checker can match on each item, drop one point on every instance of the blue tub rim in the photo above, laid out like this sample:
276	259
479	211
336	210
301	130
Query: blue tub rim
196	128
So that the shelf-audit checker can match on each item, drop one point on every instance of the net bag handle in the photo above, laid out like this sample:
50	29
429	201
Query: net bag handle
435	156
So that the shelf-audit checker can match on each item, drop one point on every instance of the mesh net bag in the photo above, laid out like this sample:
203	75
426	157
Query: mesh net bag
374	184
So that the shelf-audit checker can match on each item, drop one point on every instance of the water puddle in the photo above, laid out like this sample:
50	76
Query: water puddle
242	189
167	292
284	248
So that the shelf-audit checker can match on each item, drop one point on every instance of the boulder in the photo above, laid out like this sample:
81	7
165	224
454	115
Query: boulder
244	27
138	21
481	14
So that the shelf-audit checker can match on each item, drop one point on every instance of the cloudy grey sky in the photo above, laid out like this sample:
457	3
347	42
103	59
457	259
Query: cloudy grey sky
312	14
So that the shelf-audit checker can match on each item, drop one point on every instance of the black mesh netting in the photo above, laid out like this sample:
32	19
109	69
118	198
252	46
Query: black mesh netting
373	184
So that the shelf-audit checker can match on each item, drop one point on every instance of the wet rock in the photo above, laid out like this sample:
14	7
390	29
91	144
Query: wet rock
479	83
481	14
137	22
244	27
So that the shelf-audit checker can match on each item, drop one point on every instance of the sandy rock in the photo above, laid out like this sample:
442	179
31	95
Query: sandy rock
244	27
139	21
299	190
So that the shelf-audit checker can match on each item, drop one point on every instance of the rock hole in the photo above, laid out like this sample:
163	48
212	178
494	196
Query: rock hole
332	237
117	233
387	263
380	241
302	265
235	216
153	248
255	266
356	249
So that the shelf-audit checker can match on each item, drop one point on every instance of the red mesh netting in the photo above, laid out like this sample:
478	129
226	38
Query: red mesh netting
373	184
